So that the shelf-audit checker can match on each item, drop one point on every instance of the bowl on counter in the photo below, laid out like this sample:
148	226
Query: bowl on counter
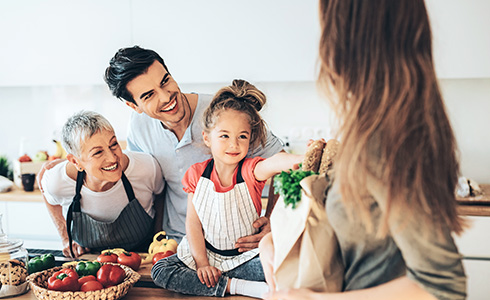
13	266
39	286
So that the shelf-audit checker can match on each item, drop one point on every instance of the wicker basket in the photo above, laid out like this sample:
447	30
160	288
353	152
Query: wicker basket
39	281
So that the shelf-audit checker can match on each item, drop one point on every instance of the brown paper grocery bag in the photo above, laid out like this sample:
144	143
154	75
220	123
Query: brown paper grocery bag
306	252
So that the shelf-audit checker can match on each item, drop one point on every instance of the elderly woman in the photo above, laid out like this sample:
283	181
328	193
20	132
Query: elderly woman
108	195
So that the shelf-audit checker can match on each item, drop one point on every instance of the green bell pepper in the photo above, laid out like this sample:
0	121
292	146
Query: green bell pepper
40	263
85	268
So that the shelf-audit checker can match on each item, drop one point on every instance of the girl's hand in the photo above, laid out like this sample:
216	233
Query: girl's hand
295	294
208	275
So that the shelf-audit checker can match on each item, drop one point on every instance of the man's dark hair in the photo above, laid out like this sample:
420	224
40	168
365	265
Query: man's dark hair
127	64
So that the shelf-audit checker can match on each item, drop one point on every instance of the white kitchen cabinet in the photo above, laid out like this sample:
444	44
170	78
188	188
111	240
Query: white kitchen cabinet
461	37
475	241
478	273
217	41
30	222
474	245
57	42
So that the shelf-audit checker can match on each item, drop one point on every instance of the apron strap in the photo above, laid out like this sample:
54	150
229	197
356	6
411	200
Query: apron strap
239	179
209	169
128	188
231	252
74	206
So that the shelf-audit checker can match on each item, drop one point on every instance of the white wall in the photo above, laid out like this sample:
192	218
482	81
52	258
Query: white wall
294	109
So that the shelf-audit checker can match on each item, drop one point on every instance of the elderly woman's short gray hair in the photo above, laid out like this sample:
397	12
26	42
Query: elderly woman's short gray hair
80	127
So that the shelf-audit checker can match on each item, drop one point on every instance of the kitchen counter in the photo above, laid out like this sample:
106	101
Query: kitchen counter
472	206
476	206
145	293
17	194
140	292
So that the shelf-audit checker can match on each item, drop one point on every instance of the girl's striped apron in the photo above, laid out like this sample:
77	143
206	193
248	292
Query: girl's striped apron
225	217
132	227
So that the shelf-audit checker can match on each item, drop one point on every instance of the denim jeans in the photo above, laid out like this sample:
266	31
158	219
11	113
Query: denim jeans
172	274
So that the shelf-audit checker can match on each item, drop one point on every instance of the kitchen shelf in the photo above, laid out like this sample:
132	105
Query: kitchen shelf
477	208
19	195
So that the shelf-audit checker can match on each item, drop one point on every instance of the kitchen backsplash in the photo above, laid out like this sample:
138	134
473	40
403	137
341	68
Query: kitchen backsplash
31	117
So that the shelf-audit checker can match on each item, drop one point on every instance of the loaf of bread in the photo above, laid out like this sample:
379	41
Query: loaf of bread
319	156
313	156
12	272
329	152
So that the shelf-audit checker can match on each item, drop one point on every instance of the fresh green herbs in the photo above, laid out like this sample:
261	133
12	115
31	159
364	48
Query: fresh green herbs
5	167
288	187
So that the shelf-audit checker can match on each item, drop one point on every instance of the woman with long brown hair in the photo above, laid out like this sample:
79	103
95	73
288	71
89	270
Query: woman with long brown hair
391	202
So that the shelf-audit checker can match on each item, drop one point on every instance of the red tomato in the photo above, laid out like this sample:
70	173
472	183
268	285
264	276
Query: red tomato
84	279
110	275
92	285
107	257
130	259
161	255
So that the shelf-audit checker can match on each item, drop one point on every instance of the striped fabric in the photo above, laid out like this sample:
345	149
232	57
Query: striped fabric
129	230
225	217
132	227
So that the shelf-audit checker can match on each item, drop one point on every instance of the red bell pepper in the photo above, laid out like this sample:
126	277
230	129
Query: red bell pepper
64	280
110	275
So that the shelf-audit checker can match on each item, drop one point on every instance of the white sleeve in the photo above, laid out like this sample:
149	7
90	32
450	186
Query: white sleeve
50	183
159	182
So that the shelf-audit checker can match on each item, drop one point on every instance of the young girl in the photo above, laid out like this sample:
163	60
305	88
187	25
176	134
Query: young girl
224	200
392	203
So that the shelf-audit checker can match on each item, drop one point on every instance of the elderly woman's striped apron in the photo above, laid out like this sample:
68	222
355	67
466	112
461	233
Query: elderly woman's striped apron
132	227
225	217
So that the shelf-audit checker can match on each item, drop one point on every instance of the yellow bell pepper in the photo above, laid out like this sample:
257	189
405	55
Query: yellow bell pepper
162	244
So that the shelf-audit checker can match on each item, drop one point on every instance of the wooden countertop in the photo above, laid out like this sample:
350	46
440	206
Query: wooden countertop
144	293
476	206
471	206
140	293
17	194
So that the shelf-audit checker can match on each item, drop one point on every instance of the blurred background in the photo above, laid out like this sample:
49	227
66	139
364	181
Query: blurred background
54	54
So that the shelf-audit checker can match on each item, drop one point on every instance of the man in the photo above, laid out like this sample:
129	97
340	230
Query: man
167	124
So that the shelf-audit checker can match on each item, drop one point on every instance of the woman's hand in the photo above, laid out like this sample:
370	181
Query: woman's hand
266	247
77	249
208	275
250	242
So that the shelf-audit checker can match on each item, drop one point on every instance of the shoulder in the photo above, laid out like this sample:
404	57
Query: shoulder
191	177
203	101
199	167
140	123
141	165
53	175
192	174
140	157
56	183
